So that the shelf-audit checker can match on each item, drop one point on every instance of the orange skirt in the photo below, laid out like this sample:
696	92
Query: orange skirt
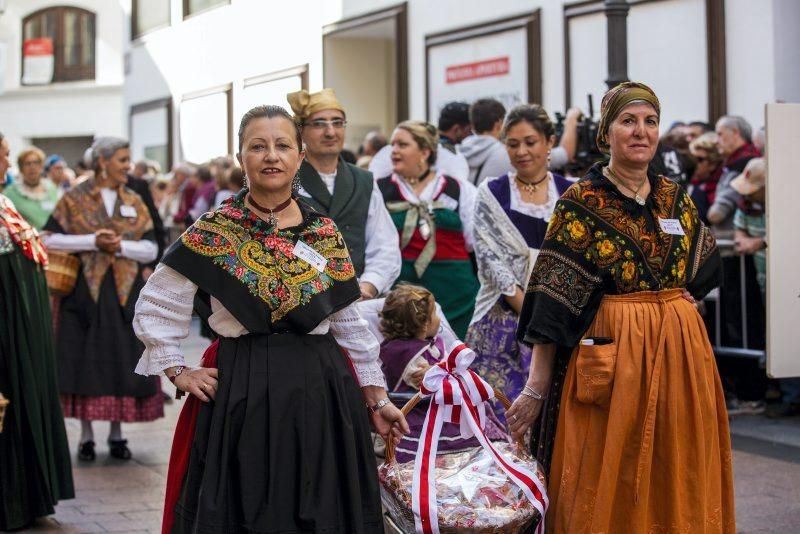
642	442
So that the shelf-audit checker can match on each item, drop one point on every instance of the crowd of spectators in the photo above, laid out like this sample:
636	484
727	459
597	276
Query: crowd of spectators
721	166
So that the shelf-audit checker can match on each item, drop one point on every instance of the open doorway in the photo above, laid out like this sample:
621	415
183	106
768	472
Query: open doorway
366	63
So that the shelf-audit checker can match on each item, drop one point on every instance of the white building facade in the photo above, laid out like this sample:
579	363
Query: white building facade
61	73
195	66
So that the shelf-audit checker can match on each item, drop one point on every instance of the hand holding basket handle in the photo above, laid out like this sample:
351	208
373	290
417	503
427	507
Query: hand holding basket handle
526	408
522	414
388	420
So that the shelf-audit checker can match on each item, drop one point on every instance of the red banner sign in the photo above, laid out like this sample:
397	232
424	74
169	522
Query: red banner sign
42	46
487	68
37	61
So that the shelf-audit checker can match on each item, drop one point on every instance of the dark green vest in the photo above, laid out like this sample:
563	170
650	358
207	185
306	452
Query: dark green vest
348	206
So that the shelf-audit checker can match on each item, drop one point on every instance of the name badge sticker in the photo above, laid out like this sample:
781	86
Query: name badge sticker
671	226
310	256
448	202
48	205
127	211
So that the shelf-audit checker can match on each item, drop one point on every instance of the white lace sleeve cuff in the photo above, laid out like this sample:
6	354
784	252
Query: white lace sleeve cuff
510	291
163	315
352	333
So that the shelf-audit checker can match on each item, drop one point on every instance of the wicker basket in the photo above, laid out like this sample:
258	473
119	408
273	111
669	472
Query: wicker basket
401	517
62	272
3	405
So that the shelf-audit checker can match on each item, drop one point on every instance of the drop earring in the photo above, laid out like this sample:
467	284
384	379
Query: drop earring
295	184
548	158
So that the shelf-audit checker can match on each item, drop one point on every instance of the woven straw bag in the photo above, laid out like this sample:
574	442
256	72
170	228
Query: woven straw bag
62	272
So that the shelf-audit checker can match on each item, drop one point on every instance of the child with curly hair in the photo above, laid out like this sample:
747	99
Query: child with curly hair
413	344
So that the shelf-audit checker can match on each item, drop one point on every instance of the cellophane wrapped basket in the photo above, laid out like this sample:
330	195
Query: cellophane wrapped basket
474	496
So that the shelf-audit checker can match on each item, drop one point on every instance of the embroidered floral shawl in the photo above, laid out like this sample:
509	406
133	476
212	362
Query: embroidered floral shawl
16	231
602	242
81	211
251	267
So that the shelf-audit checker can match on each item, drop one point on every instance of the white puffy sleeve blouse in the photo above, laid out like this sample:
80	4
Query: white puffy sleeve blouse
164	313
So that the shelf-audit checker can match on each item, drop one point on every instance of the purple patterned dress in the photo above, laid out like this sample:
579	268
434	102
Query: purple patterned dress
502	361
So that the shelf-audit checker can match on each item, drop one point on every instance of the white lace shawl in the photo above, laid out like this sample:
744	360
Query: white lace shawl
504	259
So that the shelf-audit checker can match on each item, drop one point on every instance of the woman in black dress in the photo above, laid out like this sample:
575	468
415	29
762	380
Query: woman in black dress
109	227
281	442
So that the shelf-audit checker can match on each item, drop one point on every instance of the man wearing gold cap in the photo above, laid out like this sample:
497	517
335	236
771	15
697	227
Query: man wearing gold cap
344	192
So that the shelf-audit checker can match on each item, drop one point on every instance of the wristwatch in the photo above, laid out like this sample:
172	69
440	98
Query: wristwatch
178	370
178	392
378	405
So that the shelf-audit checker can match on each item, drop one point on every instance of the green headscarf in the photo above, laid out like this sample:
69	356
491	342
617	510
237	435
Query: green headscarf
615	100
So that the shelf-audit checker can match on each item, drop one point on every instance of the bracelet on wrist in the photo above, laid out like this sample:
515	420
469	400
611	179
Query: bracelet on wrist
532	393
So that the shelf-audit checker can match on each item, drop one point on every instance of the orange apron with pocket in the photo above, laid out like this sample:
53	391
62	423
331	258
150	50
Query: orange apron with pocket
642	443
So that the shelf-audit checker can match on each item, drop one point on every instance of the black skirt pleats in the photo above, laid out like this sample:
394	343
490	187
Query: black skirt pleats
285	447
96	346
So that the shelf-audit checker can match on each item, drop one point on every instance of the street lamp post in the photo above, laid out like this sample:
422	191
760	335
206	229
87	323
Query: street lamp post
617	33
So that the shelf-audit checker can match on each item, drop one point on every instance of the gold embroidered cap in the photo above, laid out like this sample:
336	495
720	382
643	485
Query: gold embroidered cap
305	104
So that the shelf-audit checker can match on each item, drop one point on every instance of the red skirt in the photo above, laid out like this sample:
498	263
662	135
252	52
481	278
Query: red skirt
109	408
182	445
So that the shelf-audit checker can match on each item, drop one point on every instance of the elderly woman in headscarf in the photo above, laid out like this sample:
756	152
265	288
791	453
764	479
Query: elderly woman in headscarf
110	230
633	429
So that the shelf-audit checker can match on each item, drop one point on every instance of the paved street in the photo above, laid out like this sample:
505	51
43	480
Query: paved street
115	496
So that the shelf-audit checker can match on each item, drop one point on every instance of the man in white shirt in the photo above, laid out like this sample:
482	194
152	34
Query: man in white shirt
345	192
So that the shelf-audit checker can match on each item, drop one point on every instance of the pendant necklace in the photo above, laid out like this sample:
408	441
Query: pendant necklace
532	187
273	220
615	179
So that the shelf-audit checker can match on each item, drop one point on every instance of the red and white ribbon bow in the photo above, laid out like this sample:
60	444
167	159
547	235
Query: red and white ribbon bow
459	396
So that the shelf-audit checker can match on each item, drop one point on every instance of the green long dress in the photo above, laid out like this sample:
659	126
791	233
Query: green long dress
436	258
35	470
